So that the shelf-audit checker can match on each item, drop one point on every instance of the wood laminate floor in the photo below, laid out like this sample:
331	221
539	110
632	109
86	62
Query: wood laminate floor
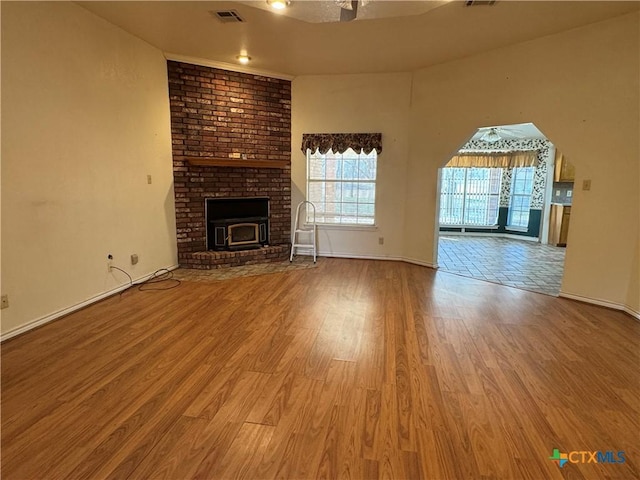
354	369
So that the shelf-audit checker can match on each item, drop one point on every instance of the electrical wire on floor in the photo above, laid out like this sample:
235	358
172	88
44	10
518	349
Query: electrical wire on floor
160	276
156	278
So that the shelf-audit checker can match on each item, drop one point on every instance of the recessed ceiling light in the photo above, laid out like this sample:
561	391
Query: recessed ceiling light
278	4
243	59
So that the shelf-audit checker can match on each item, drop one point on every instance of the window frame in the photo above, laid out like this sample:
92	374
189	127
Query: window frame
324	181
493	196
529	176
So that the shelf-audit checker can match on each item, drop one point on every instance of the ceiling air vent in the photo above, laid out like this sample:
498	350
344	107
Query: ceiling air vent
227	16
477	3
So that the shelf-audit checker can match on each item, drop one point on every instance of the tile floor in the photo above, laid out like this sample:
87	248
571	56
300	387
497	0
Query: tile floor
226	273
517	263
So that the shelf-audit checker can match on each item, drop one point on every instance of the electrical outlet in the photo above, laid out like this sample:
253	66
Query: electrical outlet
149	180
4	301
134	258
586	185
380	240
109	263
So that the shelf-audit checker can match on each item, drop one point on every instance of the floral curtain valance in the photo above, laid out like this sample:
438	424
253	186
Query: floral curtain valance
339	142
494	159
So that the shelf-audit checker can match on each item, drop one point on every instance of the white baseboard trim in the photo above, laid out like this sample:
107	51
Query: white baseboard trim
358	256
65	311
602	303
422	263
634	313
392	258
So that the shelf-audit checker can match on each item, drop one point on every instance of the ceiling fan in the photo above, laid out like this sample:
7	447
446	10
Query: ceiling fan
349	9
330	11
508	132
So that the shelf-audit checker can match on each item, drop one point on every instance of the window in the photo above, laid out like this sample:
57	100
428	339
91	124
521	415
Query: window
342	186
521	189
470	196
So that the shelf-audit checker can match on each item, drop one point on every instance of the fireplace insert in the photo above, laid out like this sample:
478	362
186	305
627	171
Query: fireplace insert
237	223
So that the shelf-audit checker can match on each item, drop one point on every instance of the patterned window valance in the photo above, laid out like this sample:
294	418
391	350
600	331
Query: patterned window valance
494	159
339	142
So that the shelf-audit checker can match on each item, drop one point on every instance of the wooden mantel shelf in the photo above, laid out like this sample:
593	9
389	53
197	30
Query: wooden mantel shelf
236	162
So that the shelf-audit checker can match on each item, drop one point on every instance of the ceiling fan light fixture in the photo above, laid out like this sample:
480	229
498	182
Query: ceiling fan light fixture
278	4
491	136
243	59
348	4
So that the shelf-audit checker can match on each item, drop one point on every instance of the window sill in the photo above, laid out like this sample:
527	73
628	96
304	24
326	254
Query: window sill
477	227
333	226
516	229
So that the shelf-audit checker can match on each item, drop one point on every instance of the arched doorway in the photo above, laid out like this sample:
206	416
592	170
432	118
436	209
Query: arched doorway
504	209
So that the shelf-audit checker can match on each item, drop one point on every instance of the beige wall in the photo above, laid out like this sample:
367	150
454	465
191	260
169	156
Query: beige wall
581	89
85	119
357	103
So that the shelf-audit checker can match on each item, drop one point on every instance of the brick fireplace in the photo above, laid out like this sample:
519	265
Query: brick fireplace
231	135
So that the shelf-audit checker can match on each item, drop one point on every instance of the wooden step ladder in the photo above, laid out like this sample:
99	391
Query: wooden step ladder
309	230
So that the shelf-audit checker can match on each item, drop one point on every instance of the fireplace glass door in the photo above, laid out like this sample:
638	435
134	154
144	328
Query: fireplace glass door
243	234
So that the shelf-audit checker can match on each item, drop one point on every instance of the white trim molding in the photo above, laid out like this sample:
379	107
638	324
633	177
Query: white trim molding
343	227
66	311
422	263
602	303
391	258
634	313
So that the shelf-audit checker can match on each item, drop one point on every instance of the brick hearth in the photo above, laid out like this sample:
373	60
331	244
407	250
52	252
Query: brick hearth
211	259
229	115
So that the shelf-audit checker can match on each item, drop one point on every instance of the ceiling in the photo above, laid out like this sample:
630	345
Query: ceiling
519	131
314	11
402	36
